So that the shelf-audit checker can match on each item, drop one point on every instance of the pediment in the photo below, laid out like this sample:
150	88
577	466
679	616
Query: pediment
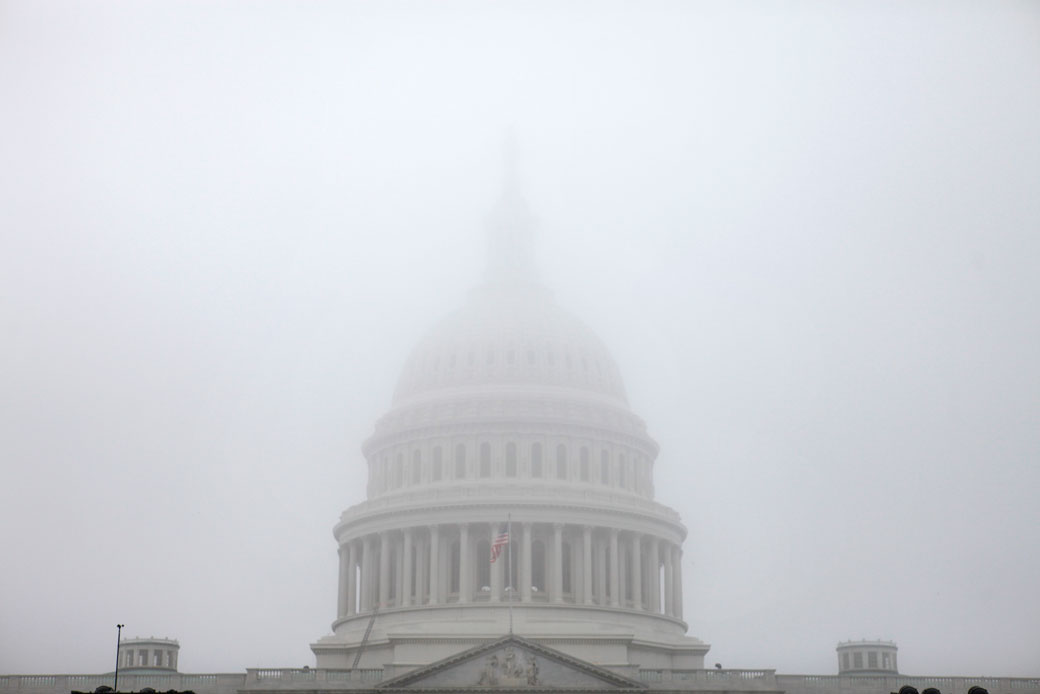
512	662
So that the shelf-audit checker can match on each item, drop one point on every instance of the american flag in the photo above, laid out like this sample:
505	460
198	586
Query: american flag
500	541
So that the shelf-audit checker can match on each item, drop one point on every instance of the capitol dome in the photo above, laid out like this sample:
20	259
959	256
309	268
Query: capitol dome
509	335
509	420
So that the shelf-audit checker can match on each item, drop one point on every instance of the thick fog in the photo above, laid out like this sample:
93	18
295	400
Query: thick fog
807	231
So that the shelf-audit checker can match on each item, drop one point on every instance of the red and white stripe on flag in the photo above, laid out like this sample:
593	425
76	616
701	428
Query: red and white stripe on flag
501	540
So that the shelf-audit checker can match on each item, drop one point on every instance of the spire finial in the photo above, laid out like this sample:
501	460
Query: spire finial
509	228
510	178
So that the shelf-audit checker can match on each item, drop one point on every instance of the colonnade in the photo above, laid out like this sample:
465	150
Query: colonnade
544	563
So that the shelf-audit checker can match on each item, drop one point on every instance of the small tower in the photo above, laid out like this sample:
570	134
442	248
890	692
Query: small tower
148	655
867	658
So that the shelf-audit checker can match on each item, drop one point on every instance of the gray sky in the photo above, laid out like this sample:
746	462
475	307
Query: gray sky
808	231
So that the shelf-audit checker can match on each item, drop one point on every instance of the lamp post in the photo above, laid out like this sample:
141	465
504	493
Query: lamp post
119	633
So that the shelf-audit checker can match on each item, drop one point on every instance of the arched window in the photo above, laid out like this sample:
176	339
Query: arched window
536	460
384	473
460	461
583	471
561	462
416	467
485	459
621	476
510	459
483	565
537	567
566	568
604	467
438	464
399	470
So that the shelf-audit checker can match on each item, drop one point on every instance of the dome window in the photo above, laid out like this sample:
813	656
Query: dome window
510	357
536	460
583	470
561	462
491	356
604	467
416	467
460	462
530	356
438	464
510	459
485	459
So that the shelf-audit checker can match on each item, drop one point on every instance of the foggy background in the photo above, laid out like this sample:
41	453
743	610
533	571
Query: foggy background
808	232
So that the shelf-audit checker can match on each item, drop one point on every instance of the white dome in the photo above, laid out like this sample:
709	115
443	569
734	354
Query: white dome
510	334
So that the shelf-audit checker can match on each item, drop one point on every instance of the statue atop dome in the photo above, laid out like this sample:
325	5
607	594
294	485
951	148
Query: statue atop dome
510	226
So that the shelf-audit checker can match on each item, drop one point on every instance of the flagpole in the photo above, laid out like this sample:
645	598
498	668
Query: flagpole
509	570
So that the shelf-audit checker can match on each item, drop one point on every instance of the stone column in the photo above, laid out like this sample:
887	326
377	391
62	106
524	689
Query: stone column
341	593
366	573
586	564
669	581
422	578
352	562
637	572
599	549
655	576
409	583
384	568
465	565
677	567
556	594
398	560
435	565
525	563
615	569
623	567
